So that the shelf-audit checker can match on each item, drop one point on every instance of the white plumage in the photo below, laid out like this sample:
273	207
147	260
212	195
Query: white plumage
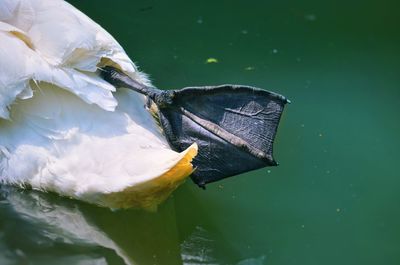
62	127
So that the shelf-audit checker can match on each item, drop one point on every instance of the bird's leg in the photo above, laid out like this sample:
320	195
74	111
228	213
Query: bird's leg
162	98
119	79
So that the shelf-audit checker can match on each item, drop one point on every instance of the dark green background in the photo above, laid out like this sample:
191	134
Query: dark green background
334	198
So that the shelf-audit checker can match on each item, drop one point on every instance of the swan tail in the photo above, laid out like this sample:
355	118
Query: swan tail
148	195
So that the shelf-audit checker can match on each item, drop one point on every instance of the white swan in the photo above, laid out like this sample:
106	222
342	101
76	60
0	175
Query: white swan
64	129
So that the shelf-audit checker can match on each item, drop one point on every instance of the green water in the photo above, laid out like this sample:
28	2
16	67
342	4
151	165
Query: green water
334	198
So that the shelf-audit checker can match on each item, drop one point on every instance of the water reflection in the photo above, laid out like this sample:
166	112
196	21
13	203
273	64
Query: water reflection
40	228
44	228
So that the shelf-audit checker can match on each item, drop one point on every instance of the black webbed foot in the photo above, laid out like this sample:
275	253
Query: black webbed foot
234	126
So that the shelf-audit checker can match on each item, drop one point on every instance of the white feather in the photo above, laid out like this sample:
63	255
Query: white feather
65	129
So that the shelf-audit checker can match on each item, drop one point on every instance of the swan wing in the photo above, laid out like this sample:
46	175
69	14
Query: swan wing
51	41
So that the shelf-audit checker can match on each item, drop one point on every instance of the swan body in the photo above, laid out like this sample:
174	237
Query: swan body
66	130
76	115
